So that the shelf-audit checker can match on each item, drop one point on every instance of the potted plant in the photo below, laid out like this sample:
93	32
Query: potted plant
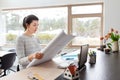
114	40
102	46
92	55
111	40
114	35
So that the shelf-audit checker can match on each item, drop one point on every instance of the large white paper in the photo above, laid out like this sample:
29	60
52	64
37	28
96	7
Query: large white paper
54	46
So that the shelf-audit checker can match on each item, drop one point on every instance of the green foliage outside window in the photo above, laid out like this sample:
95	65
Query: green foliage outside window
11	37
45	37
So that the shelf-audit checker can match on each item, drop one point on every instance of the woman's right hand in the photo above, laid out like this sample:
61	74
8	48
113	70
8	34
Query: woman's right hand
37	55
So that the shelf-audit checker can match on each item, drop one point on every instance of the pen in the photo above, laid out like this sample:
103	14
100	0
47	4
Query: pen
69	58
63	54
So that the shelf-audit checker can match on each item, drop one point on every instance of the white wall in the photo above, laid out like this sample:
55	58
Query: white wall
37	3
112	14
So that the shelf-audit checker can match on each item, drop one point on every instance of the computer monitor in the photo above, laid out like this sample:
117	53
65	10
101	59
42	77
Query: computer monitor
83	56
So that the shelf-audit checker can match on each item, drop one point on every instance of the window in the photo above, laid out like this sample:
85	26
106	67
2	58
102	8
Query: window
86	24
82	20
51	21
87	9
87	30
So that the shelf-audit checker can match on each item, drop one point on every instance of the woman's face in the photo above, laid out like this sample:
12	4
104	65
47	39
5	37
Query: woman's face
33	26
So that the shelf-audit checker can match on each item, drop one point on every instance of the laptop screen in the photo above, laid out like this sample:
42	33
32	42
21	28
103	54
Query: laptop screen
83	55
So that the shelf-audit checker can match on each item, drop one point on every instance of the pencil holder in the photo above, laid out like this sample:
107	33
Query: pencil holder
92	59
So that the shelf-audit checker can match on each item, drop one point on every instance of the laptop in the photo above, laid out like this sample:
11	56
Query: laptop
83	56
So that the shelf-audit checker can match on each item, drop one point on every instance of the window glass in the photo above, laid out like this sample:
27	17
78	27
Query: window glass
51	21
87	30
87	9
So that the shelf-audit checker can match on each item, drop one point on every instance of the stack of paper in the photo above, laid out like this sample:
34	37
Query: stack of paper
65	60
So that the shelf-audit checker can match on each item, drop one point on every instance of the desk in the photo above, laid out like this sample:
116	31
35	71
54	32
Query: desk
47	71
107	67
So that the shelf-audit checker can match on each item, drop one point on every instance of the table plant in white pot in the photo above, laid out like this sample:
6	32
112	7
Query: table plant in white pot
115	40
111	40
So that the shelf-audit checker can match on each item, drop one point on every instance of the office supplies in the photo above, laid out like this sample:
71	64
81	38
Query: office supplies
92	57
64	60
34	76
81	61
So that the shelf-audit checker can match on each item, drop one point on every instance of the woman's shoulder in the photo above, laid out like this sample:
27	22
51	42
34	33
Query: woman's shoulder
21	37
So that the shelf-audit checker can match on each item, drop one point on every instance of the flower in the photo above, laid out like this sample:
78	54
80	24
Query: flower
111	37
114	35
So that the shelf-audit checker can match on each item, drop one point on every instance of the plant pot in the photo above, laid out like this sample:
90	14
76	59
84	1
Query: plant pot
92	60
107	50
115	46
102	47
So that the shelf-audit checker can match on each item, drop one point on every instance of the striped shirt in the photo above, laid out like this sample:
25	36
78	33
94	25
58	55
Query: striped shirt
25	46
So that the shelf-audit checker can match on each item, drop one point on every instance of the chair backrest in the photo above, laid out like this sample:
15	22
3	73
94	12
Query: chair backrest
7	60
14	51
83	55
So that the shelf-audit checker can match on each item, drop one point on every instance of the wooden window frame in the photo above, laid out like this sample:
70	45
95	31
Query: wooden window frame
70	15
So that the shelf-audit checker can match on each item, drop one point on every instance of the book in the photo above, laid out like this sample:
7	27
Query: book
53	47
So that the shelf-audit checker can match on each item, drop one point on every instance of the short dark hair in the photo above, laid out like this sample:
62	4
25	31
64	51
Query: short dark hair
28	19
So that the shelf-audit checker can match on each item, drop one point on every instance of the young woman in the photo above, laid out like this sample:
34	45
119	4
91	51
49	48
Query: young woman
28	47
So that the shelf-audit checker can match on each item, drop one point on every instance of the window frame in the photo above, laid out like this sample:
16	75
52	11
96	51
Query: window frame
71	16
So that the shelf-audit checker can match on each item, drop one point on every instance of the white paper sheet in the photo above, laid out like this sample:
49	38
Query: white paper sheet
54	46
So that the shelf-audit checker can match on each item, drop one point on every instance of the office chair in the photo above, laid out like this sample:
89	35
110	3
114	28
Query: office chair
14	51
7	62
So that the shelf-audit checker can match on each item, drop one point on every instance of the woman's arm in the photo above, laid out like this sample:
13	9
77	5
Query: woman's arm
20	51
37	55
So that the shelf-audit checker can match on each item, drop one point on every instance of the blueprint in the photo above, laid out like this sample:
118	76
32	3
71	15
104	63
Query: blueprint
53	47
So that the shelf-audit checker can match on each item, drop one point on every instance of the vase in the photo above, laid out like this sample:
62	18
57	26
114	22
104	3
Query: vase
115	46
107	50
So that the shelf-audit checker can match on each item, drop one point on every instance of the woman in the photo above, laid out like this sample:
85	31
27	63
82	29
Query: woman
27	47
